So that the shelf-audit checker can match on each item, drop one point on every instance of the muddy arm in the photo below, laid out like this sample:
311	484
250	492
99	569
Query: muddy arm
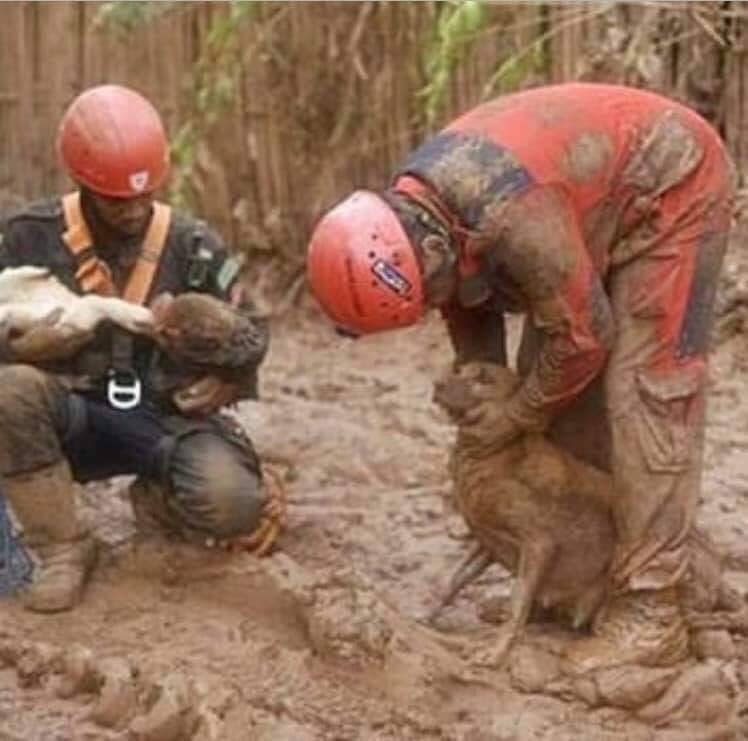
44	344
542	252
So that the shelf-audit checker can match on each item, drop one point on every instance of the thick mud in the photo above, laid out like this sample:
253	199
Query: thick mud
324	639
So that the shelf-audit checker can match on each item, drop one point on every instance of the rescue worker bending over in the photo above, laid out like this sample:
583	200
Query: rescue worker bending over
122	404
602	214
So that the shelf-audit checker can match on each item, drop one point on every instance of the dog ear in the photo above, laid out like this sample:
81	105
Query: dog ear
453	394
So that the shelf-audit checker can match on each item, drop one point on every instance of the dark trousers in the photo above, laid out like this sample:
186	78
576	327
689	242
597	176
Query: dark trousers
206	470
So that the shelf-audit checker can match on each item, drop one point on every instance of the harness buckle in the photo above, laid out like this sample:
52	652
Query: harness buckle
123	390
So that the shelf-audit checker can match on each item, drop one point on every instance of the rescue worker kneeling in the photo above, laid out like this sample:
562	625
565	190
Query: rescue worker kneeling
124	404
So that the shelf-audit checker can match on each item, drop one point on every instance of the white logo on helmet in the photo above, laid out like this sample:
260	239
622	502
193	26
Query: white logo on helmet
138	181
391	277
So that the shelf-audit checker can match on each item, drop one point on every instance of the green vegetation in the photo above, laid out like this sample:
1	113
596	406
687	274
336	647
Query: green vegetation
457	24
212	82
124	17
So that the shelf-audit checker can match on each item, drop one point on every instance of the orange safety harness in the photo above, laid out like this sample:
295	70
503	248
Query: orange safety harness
93	276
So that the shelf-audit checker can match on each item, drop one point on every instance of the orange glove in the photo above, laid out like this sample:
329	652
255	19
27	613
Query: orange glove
273	520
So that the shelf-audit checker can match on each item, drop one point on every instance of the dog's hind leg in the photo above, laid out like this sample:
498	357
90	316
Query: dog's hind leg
473	565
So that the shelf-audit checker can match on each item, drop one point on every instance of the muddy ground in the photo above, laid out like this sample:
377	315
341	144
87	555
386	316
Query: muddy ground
322	640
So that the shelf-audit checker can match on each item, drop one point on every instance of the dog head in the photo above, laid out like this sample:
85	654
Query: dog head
471	384
194	325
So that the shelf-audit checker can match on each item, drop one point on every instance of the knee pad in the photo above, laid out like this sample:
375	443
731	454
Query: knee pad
211	476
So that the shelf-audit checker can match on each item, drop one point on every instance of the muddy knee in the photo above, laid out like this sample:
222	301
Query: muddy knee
216	486
32	415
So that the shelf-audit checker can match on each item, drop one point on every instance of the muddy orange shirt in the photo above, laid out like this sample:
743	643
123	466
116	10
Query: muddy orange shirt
554	187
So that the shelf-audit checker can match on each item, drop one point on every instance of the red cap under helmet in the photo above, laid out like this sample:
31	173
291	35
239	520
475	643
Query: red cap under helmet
112	141
362	268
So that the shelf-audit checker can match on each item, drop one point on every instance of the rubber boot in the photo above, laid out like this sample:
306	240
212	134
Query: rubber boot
44	504
646	628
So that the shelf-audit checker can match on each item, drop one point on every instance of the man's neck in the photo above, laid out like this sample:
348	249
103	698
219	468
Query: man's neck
119	251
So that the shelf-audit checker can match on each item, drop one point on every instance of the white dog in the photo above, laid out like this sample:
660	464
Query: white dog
44	320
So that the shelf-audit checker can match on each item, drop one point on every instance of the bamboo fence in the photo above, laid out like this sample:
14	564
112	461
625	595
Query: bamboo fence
318	98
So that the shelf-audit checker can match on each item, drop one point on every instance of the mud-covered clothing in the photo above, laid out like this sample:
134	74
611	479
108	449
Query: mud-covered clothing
206	469
209	474
602	213
193	258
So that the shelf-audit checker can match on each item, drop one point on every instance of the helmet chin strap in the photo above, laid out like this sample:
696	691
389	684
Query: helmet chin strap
433	244
438	261
435	217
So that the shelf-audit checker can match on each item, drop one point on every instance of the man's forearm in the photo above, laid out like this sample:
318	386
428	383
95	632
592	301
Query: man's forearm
477	335
560	372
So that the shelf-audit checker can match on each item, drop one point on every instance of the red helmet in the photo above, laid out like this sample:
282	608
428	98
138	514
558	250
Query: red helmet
362	268
112	141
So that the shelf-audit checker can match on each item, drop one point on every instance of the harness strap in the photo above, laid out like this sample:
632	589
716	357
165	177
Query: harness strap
141	278
93	274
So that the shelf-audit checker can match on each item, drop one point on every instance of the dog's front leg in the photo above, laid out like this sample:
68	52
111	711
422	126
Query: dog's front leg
534	558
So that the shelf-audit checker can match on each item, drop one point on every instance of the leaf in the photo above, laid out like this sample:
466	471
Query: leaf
456	27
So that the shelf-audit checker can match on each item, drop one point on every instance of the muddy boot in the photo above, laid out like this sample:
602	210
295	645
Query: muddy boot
150	553
644	627
152	518
44	504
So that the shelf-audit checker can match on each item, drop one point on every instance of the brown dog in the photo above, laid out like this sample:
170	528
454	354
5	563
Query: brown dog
542	514
199	328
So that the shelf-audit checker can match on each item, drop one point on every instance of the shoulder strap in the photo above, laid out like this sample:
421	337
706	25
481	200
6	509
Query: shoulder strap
76	236
92	274
144	271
